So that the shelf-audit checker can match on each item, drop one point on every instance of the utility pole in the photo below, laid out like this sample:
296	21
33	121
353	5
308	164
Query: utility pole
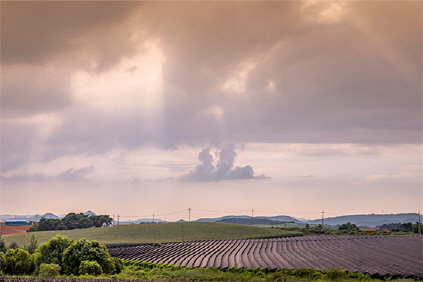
252	217
323	219
189	214
153	217
118	218
420	225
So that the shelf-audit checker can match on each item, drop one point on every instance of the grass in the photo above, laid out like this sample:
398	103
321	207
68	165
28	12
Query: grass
157	233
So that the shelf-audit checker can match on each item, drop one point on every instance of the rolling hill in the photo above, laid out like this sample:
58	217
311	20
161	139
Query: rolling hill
160	232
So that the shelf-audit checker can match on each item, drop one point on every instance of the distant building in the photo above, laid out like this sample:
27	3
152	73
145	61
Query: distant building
15	222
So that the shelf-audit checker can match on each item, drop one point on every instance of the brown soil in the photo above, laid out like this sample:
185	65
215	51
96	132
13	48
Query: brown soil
13	229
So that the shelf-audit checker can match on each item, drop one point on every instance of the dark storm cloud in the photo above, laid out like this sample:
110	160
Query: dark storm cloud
355	78
34	31
206	171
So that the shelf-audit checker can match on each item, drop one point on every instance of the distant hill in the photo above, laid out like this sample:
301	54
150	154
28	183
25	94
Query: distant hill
36	217
246	218
370	220
250	221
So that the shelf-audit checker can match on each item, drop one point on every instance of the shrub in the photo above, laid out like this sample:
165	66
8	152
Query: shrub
49	270
118	265
85	250
90	268
51	252
336	274
17	261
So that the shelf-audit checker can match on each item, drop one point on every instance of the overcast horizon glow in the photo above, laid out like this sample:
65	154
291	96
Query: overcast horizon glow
284	107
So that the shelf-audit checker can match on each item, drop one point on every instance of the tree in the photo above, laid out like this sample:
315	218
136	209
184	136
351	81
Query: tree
349	227
13	245
17	262
47	224
416	227
100	220
90	268
33	244
85	250
3	247
51	252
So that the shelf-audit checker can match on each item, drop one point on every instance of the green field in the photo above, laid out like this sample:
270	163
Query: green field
156	233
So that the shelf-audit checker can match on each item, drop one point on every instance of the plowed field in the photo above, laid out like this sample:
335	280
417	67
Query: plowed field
13	229
376	255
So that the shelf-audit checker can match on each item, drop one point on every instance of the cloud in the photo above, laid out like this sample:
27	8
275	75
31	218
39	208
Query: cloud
229	71
406	172
206	171
70	175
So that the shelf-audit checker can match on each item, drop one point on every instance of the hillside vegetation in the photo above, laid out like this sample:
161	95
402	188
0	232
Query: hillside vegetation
157	233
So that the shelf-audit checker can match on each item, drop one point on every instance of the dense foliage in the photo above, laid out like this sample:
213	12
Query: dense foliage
85	250
401	227
60	255
16	261
71	221
349	227
51	252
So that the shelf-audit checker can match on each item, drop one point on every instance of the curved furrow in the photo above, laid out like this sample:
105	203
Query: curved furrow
316	258
214	260
283	258
245	262
208	259
233	252
232	244
342	251
279	261
329	259
249	255
290	255
267	255
200	252
237	258
380	259
195	249
257	254
298	260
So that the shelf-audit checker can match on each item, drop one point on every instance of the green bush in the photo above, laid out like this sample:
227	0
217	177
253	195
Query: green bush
49	270
17	262
51	252
85	250
336	274
90	268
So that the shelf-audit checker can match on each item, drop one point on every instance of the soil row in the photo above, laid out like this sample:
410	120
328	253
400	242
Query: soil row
398	256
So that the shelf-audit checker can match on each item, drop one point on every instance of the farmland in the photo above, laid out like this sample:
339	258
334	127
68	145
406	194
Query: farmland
397	256
13	229
157	233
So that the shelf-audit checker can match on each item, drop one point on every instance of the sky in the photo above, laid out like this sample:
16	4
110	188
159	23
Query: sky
224	107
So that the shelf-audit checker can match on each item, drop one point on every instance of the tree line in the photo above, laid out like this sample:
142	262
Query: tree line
71	221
